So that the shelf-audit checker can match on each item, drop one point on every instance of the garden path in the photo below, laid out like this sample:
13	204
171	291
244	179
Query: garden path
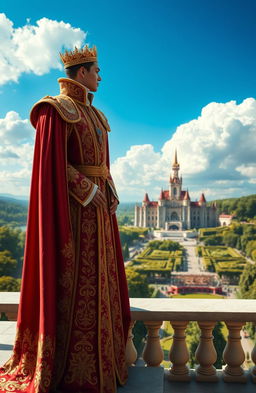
192	261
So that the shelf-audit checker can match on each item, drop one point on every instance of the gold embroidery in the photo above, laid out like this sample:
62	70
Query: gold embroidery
79	186
75	91
30	363
64	301
82	364
64	105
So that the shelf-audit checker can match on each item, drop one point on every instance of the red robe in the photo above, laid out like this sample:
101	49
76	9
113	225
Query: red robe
74	309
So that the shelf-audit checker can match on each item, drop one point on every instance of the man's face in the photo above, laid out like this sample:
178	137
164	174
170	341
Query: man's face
91	79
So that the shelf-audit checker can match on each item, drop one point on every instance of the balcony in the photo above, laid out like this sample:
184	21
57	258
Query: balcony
179	379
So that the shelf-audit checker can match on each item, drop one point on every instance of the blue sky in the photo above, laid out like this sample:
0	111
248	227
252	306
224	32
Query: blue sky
162	63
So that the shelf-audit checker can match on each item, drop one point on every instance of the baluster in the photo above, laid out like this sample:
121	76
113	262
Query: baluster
179	355
206	354
130	352
253	356
153	354
233	354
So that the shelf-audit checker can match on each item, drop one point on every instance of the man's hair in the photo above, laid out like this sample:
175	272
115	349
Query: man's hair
71	72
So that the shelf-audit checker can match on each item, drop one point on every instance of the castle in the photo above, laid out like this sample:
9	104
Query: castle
174	210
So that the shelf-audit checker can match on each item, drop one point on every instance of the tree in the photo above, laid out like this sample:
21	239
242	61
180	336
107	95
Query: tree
251	208
137	284
192	335
237	228
253	255
125	251
230	239
138	287
219	344
140	333
250	247
154	244
9	284
8	264
12	240
238	243
247	284
167	245
213	240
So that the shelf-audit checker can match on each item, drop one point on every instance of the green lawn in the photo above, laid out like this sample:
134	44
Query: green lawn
199	296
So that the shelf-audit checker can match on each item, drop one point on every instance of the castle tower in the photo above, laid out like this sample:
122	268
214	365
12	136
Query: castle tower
175	180
145	204
187	210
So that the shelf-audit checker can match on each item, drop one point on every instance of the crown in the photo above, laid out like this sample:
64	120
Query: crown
79	56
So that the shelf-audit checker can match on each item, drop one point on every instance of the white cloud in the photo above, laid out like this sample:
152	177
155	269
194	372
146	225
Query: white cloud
248	171
16	152
216	154
34	48
216	151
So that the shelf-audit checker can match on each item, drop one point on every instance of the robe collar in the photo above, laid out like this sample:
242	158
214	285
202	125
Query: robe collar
76	91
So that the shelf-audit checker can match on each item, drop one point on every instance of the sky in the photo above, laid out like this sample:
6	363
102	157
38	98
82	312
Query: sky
176	74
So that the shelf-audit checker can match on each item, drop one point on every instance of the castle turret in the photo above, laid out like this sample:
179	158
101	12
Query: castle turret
161	196
187	197
202	200
146	199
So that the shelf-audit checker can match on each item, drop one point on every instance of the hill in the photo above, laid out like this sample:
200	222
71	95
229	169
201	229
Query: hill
244	208
13	212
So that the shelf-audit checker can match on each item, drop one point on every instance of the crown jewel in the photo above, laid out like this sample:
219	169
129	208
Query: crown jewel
79	56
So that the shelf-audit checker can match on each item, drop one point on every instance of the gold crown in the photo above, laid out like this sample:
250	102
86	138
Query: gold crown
79	56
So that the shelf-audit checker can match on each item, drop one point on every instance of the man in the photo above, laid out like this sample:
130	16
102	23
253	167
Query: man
74	309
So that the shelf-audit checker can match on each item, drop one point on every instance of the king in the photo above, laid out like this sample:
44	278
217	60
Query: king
74	309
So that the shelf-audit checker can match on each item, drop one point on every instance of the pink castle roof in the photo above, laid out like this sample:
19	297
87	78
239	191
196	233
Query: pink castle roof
146	198
202	198
153	204
194	204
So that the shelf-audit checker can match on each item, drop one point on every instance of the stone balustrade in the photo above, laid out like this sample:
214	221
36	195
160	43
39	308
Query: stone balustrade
206	312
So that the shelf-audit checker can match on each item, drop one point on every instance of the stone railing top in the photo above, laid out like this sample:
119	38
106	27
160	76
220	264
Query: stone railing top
9	298
147	309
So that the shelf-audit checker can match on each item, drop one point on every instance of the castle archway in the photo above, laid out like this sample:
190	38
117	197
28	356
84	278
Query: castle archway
173	227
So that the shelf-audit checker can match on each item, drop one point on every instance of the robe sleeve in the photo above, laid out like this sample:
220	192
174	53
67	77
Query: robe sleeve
112	186
79	186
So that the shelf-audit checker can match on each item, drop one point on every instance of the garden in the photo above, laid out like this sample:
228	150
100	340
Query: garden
225	261
159	259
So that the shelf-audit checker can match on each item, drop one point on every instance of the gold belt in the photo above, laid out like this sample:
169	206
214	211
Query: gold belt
93	170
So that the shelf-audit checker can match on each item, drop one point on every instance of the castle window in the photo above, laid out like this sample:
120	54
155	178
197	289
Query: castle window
174	217
175	191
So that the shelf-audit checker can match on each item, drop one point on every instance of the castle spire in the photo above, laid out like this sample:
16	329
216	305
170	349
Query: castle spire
202	199
146	198
175	163
175	167
187	197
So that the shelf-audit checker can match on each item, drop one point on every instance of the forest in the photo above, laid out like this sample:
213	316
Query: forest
244	208
13	212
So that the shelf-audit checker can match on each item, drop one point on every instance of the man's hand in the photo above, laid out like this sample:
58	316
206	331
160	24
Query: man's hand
113	206
99	199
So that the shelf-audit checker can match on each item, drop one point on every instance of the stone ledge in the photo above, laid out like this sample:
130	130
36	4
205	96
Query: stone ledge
147	309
